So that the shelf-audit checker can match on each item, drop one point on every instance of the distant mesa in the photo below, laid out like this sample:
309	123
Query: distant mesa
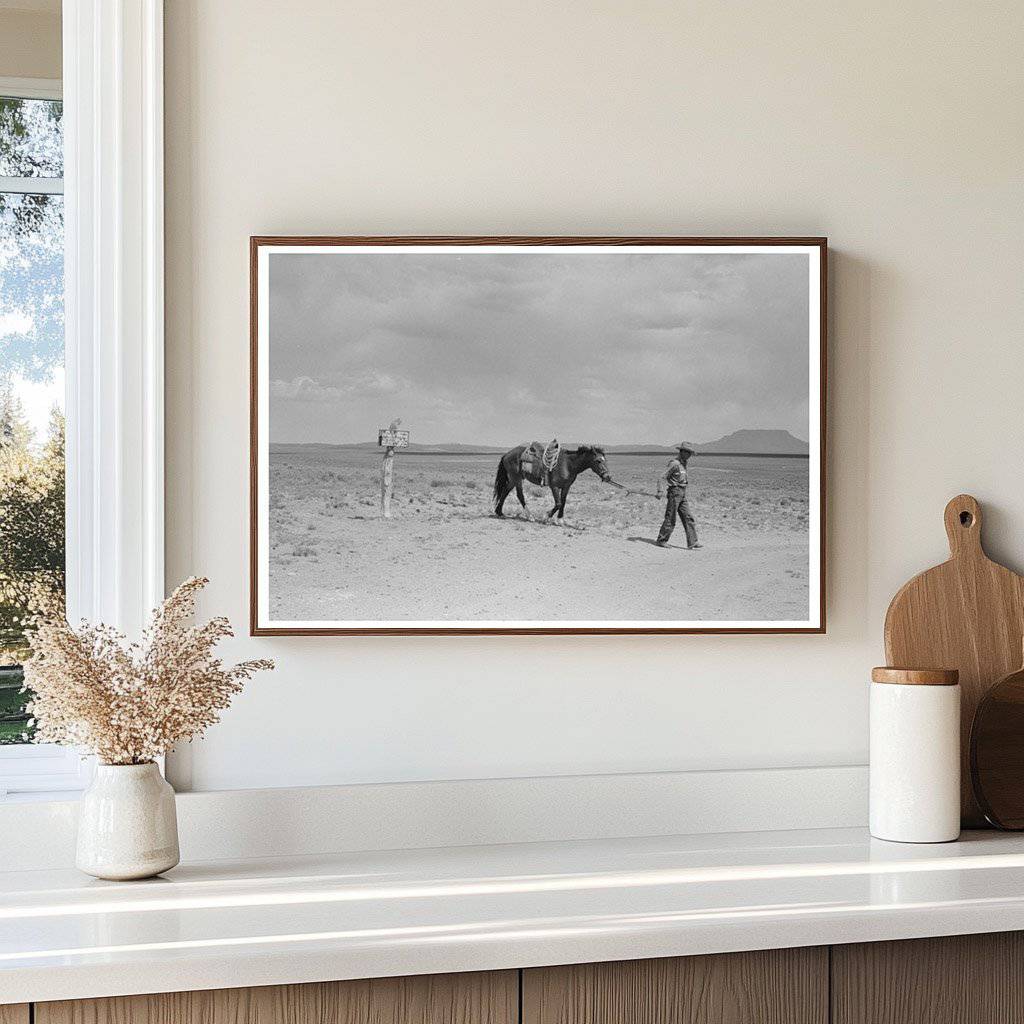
739	442
756	442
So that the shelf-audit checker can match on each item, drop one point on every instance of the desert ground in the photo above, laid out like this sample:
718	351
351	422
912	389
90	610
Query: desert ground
444	555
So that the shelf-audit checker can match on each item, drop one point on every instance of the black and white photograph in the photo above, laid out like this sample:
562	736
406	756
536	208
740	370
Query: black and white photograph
542	435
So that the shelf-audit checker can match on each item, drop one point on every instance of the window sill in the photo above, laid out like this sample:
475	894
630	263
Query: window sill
41	771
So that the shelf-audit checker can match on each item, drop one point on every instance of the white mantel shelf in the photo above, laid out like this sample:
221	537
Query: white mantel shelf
273	921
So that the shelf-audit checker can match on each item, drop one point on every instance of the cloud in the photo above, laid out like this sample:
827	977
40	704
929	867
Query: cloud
307	389
304	389
495	348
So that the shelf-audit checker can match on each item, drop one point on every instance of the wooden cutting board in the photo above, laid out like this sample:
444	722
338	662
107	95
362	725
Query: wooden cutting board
967	614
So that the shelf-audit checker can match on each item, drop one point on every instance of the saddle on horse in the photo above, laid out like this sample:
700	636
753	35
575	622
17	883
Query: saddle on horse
538	460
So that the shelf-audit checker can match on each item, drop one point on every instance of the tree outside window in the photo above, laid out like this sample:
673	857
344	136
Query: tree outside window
31	386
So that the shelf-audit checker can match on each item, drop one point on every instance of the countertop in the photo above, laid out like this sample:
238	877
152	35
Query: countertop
270	921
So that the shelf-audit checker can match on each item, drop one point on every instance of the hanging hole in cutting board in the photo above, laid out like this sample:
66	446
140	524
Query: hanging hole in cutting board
966	519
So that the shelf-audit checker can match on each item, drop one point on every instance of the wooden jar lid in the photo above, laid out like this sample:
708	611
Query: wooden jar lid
916	676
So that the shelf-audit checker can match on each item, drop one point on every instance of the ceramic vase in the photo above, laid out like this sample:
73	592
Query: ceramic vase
127	826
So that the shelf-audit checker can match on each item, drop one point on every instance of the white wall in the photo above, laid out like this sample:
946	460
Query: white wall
30	39
895	129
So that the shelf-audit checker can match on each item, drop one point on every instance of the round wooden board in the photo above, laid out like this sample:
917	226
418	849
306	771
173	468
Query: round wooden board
997	753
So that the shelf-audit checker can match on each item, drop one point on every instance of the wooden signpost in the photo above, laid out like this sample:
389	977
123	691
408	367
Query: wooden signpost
389	439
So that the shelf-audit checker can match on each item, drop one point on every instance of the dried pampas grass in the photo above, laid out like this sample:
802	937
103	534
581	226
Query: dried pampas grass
129	703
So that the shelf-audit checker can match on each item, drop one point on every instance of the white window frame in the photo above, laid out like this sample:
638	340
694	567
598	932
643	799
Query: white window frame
114	328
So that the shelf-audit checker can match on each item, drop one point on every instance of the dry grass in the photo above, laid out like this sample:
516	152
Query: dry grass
129	703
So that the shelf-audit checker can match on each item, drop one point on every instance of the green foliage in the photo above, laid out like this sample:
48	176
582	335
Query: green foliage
14	722
31	542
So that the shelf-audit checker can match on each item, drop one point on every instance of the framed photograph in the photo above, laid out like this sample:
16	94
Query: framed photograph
537	435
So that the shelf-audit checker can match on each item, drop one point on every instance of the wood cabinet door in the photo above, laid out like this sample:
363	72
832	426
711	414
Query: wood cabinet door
479	998
777	986
14	1013
962	979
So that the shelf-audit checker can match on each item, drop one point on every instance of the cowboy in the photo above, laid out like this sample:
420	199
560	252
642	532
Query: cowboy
675	478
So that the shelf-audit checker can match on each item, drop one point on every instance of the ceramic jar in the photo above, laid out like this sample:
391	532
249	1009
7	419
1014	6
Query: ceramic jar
127	826
915	755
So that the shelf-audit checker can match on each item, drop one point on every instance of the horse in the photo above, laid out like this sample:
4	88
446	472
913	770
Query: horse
569	466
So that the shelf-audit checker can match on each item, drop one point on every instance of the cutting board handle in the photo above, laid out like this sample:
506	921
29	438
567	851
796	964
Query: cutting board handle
963	526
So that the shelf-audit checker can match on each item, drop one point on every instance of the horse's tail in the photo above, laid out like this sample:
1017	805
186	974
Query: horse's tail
501	483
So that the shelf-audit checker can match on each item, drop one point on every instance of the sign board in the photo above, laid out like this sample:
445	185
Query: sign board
393	438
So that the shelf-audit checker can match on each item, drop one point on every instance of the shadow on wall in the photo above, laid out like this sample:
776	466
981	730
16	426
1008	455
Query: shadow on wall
853	286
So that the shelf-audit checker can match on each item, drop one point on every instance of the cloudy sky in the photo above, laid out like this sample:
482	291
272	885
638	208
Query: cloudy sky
500	348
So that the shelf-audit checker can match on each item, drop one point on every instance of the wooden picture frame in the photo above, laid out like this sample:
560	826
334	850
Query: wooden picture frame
263	623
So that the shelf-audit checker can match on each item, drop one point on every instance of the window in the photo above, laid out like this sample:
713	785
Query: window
111	159
31	409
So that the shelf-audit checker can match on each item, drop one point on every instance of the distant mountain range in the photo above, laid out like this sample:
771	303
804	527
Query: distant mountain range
739	442
414	449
